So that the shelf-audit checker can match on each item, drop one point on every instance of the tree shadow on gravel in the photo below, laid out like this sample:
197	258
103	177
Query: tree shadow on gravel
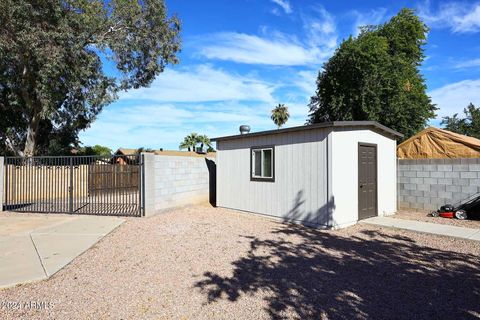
309	273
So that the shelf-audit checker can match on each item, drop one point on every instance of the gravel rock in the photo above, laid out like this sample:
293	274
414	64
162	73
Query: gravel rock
211	263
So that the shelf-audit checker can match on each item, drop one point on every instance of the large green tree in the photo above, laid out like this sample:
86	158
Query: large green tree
469	125
376	76
96	150
62	61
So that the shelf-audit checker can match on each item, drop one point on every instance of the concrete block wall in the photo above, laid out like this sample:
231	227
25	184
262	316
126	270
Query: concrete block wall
174	181
426	184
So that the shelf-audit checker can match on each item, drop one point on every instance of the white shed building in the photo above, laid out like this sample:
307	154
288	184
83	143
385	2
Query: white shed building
330	174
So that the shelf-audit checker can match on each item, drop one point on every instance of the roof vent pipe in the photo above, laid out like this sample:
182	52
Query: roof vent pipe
244	129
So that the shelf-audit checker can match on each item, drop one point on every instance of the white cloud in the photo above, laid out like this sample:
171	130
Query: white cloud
164	125
468	64
321	30
203	83
452	98
275	48
275	11
199	99
250	49
284	4
460	17
306	81
298	114
371	17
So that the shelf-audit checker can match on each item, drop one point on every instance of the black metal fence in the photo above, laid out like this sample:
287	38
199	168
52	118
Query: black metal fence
77	185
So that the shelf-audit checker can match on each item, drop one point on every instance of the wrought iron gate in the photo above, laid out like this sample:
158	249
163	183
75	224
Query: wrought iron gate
77	185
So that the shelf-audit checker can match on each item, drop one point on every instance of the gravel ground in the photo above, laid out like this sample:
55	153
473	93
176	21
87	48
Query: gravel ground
205	263
421	216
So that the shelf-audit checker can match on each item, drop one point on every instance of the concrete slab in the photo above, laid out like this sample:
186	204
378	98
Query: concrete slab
58	250
35	247
425	227
94	225
19	261
23	225
475	236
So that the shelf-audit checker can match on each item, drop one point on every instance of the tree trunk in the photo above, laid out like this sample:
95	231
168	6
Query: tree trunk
32	135
31	103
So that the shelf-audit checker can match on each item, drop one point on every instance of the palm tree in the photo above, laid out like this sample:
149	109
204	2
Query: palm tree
280	115
192	138
204	141
189	142
184	145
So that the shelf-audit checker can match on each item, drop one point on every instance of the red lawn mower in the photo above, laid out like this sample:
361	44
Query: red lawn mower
461	211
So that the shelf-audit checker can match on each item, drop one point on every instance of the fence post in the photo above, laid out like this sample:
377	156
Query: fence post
70	188
2	183
148	184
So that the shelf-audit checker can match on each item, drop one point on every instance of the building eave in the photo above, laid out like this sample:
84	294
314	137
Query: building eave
375	126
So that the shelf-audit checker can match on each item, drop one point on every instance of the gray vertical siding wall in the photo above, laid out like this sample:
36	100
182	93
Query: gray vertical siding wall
172	181
301	184
426	184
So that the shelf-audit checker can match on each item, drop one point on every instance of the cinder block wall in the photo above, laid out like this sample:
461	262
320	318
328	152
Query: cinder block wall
172	181
426	184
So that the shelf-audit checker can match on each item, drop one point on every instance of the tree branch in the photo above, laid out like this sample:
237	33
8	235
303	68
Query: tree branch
117	27
10	145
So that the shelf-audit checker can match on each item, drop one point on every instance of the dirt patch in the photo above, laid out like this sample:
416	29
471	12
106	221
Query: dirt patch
425	217
205	263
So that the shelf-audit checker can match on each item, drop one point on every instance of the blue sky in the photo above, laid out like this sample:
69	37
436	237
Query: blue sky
242	57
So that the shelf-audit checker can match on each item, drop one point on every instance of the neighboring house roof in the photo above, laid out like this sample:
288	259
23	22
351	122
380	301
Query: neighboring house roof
126	152
373	125
434	143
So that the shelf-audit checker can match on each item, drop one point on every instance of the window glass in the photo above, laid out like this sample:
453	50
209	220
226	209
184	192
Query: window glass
262	163
267	163
257	156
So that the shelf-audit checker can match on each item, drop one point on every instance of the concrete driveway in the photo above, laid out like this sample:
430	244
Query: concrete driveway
34	247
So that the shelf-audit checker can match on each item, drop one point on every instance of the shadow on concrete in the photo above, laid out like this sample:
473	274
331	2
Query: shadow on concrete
308	273
212	178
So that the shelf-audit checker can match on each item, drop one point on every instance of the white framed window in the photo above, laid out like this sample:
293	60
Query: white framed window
262	162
